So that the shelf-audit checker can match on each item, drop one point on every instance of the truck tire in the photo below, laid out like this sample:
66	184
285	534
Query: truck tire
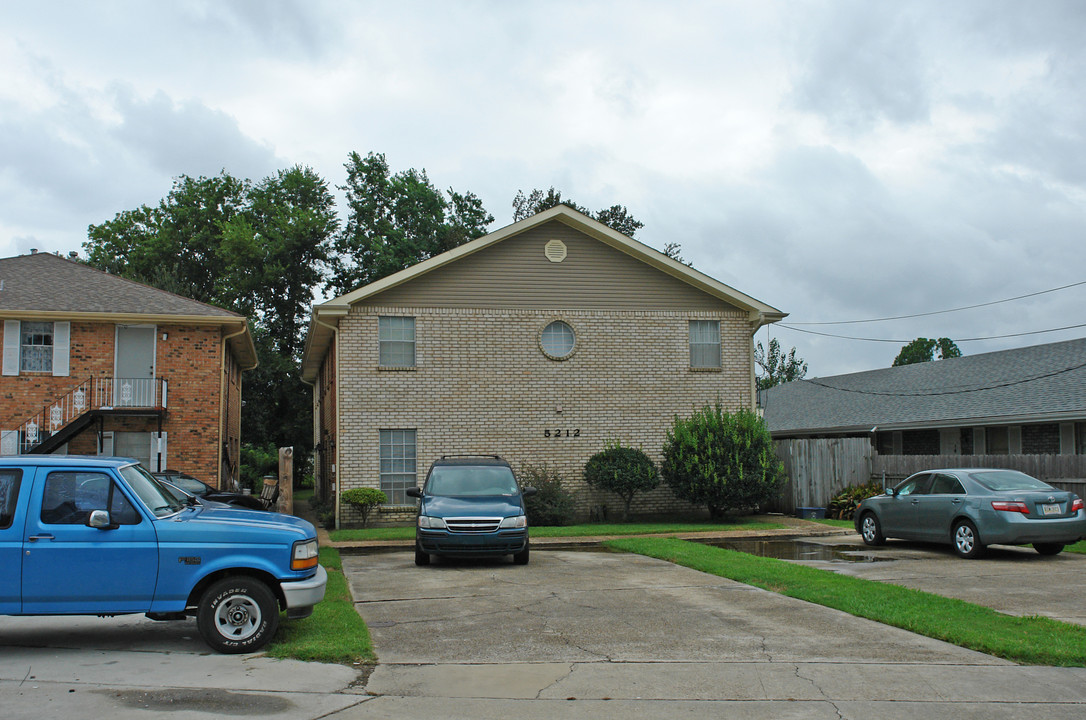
238	615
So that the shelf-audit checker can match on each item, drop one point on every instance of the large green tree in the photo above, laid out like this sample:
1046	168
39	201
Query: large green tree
923	350
617	217
258	249
395	220
776	367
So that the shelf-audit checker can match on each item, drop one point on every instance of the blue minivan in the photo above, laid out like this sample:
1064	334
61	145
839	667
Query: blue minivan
471	506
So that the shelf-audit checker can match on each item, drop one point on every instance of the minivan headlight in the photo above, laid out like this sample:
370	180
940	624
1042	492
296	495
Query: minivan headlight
431	523
517	521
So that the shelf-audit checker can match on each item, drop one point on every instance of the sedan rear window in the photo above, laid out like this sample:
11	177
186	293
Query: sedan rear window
1002	480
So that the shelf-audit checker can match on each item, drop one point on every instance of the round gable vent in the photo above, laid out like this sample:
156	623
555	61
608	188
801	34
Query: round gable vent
555	250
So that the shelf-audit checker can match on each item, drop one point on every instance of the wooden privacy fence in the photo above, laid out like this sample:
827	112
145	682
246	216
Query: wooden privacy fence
819	468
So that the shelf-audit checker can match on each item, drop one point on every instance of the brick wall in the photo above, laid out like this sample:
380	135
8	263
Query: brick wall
482	385
1041	439
189	358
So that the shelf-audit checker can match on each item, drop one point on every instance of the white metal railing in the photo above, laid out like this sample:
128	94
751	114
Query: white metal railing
96	393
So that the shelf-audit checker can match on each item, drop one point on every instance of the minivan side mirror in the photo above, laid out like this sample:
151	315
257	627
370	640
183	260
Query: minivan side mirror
528	491
413	492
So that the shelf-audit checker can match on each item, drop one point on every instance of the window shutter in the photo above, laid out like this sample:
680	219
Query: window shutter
12	341
9	442
158	452
62	332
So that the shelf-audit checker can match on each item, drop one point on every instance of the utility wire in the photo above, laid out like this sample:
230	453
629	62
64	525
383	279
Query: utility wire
982	388
905	342
942	312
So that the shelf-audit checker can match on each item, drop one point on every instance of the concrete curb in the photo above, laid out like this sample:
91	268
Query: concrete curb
795	528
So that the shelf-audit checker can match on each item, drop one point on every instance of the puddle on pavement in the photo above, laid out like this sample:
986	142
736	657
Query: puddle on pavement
800	550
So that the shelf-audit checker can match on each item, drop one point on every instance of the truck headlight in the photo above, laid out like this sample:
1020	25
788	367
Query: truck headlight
516	521
304	555
431	523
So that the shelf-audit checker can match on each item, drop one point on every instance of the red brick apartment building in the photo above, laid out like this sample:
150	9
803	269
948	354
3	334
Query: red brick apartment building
94	364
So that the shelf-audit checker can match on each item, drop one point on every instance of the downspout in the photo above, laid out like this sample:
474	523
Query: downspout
339	425
224	408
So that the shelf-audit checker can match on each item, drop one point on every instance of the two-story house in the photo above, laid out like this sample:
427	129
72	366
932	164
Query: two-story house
541	342
97	364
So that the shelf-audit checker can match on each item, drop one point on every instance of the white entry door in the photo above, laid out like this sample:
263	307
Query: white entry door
134	380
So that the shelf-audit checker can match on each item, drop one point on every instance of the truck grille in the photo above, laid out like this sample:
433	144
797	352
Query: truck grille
472	525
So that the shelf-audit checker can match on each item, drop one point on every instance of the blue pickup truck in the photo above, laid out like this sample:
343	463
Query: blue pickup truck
100	536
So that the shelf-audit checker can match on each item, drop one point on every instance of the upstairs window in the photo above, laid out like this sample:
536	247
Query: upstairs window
704	343
396	337
36	354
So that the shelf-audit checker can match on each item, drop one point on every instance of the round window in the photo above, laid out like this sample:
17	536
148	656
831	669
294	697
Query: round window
558	340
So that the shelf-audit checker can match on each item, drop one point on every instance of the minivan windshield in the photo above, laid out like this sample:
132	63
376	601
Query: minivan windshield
471	480
157	499
1000	480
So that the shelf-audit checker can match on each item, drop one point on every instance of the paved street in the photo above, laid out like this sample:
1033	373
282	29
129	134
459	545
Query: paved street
574	634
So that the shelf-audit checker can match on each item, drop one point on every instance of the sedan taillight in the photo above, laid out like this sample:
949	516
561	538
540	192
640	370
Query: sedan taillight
1010	506
1076	505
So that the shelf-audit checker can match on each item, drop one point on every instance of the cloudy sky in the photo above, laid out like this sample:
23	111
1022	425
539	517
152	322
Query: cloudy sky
840	161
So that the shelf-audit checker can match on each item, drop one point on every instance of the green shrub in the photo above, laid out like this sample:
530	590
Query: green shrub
624	471
552	504
364	500
843	504
722	460
256	462
325	511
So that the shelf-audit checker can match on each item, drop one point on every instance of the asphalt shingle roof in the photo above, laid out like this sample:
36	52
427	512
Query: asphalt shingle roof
1038	383
43	281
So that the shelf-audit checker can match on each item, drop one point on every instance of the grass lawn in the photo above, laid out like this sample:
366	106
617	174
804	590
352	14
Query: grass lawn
836	523
1031	640
1079	547
585	530
334	633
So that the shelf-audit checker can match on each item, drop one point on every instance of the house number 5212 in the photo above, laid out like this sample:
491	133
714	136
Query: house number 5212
562	433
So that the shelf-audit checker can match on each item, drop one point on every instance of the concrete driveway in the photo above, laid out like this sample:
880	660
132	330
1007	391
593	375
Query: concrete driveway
1012	580
594	634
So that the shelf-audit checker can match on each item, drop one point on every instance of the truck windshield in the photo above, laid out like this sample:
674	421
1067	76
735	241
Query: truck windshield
471	481
157	499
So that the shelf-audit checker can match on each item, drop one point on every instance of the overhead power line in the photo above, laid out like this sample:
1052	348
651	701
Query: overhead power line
938	393
906	342
943	312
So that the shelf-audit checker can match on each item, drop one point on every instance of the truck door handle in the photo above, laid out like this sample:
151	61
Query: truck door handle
35	538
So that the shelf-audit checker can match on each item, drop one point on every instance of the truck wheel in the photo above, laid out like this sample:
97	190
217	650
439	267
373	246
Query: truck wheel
238	615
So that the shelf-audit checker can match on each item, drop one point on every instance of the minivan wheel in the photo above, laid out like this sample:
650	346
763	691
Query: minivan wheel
421	558
1048	548
521	558
966	540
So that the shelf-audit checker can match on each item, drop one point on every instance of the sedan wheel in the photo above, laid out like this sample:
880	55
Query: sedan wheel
870	530
966	540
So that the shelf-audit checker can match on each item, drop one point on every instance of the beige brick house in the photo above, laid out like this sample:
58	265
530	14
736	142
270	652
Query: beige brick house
540	342
96	364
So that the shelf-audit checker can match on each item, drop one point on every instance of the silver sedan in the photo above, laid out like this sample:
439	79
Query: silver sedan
973	508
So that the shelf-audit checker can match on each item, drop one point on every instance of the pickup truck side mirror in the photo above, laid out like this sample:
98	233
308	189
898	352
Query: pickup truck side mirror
100	519
413	492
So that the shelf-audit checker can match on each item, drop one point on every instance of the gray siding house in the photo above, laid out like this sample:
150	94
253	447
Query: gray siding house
541	342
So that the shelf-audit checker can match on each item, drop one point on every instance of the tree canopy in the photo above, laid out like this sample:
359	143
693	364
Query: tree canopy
258	249
776	367
923	350
616	217
397	220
